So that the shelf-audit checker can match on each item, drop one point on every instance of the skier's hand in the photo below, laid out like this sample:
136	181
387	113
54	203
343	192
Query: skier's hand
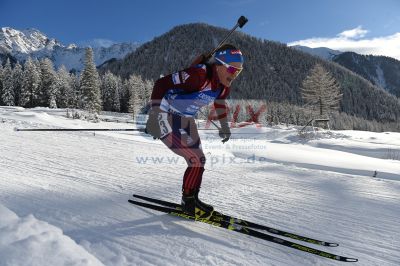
152	125
225	133
201	59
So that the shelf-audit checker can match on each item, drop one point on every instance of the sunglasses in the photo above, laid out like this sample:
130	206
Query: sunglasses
231	69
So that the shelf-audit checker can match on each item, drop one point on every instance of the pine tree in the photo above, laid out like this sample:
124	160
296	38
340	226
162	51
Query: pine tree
105	89
30	84
1	83
117	95
124	97
65	95
8	86
90	84
47	89
77	93
17	78
111	88
320	90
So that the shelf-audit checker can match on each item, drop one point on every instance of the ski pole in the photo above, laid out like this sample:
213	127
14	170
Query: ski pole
204	58
80	129
240	23
219	129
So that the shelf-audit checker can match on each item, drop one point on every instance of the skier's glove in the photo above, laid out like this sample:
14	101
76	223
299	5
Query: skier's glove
225	133
201	59
152	125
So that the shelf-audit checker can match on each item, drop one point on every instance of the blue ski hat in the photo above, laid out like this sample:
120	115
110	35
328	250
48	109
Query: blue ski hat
230	55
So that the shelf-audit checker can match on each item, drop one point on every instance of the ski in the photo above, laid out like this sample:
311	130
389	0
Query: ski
234	220
244	230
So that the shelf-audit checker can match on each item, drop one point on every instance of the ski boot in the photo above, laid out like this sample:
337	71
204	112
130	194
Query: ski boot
193	206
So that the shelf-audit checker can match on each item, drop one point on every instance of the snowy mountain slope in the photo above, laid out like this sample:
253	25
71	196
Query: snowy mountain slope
80	182
32	42
379	70
25	42
322	52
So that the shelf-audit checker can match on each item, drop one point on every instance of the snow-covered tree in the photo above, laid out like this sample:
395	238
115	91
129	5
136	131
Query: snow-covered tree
148	84
8	85
111	89
137	92
64	83
1	83
30	84
90	84
47	89
117	95
77	93
53	102
124	96
320	90
17	78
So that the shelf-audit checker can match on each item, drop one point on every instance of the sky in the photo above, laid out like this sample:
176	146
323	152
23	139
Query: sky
364	26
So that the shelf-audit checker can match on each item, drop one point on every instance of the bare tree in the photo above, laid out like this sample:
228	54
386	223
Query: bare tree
137	92
320	91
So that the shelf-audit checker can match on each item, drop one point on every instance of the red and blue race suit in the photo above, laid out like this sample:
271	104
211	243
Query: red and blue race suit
181	95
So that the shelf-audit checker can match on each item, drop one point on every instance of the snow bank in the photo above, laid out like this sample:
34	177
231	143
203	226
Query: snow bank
28	241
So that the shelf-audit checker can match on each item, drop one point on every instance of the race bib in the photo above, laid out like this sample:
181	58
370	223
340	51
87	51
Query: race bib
165	127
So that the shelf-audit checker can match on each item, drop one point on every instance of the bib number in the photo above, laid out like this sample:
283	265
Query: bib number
165	127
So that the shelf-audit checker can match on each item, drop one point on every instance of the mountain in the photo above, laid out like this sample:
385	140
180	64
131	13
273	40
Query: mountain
25	42
379	70
322	52
18	45
272	71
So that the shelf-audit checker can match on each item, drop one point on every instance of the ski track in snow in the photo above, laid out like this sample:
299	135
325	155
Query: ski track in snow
80	182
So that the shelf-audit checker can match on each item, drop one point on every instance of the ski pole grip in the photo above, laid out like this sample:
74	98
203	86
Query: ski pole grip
241	21
205	57
201	59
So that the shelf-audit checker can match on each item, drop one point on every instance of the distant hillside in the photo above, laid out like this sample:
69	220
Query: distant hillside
273	71
322	52
380	70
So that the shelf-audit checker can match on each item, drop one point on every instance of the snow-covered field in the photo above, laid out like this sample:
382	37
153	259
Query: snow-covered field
63	195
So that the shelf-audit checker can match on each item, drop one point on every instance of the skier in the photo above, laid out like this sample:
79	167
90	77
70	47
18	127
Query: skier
175	101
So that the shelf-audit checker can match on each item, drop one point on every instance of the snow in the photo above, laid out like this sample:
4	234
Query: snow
75	187
380	77
25	42
322	52
28	241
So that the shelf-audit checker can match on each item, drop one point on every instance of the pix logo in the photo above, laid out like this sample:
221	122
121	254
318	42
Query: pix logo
254	116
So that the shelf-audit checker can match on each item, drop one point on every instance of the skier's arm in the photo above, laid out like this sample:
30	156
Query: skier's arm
221	109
